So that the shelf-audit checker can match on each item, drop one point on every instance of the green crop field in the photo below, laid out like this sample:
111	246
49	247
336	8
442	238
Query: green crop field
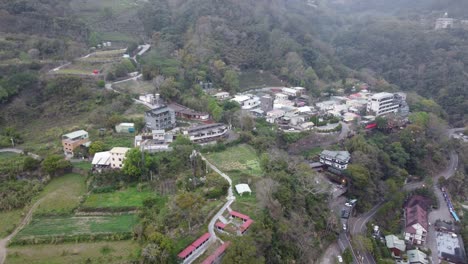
74	225
62	195
71	253
240	159
129	197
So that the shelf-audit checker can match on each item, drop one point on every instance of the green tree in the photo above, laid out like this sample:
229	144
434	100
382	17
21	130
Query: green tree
188	205
231	81
30	164
96	146
242	250
347	256
55	165
133	163
398	154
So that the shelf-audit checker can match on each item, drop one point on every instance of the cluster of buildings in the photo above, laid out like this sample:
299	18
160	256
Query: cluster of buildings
416	234
74	142
291	108
161	125
446	22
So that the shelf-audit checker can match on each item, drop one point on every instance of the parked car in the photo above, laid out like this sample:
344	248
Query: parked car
344	227
340	259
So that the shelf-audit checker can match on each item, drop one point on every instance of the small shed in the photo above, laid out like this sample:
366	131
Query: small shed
125	128
242	188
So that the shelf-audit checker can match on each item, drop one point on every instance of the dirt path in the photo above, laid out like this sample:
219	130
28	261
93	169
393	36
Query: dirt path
24	222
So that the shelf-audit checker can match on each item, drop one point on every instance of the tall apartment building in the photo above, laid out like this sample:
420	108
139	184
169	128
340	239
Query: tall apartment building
160	118
73	140
117	156
266	103
383	103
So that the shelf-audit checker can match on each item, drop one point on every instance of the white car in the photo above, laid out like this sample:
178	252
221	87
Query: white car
348	204
344	227
340	259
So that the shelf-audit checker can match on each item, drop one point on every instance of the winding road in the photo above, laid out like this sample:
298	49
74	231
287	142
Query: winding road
230	199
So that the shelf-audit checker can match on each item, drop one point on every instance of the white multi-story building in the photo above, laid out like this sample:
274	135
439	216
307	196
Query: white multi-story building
336	159
206	133
247	101
382	103
117	155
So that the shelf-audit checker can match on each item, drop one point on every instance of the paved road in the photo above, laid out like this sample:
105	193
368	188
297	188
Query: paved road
20	151
4	242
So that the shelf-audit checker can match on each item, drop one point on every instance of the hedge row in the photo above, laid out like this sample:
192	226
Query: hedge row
71	238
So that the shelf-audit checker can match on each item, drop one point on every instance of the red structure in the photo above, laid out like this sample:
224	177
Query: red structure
235	214
220	225
245	226
96	72
188	251
217	254
371	126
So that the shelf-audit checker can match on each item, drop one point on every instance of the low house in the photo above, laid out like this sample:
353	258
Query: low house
125	128
155	141
187	113
101	160
243	188
417	257
74	140
238	215
396	245
220	225
192	248
336	159
206	133
117	157
216	256
221	95
299	90
257	112
245	226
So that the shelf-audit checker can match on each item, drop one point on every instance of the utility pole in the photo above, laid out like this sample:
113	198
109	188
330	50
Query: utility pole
193	161
12	142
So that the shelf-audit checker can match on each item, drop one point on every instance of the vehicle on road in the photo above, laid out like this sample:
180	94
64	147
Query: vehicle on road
345	227
340	259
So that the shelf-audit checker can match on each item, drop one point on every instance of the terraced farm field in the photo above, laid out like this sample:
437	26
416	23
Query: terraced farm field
76	225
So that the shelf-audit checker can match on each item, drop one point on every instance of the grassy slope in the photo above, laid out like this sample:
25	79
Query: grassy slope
8	221
7	155
70	225
237	160
98	252
62	195
129	197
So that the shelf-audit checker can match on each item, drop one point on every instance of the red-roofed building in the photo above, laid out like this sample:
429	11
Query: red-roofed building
220	225
187	252
235	214
416	225
217	254
201	240
245	226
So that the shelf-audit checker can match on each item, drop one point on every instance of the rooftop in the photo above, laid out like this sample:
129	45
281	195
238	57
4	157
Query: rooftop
416	256
394	242
381	95
119	150
339	155
101	158
126	124
75	134
242	188
239	215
